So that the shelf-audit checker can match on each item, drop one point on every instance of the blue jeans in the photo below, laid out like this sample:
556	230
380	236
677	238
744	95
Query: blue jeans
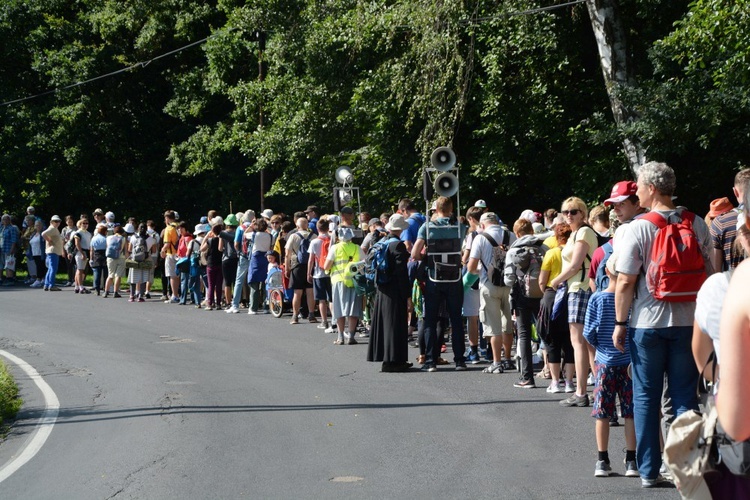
654	353
194	283
434	295
242	267
184	279
52	261
99	277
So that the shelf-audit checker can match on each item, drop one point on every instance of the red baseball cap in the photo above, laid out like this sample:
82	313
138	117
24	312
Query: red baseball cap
621	192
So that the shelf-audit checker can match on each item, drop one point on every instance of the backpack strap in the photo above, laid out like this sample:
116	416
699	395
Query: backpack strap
655	219
494	244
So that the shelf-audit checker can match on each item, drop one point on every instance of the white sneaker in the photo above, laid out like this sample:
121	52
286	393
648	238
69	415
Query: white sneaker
554	388
250	311
570	387
233	310
590	380
330	329
36	284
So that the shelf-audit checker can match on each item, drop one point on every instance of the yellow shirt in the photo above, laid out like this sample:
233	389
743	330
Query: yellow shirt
170	236
553	262
580	280
551	242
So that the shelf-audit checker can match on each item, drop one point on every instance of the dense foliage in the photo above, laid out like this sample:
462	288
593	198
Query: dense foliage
372	84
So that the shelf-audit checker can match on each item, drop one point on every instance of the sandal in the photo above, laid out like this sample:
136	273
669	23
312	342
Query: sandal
421	359
338	342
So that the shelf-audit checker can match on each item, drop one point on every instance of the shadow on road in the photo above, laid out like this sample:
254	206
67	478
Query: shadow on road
93	414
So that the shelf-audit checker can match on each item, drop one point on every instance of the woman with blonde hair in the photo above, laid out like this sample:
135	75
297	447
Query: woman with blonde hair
576	257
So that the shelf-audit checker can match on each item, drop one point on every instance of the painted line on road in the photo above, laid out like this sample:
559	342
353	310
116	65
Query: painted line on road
45	425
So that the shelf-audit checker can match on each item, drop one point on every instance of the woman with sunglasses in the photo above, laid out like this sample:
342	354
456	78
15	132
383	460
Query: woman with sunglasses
576	257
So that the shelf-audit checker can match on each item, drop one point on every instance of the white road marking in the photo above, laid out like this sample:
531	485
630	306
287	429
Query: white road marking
45	425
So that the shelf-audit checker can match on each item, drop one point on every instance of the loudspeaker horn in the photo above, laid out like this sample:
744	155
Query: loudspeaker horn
443	159
345	196
344	175
446	184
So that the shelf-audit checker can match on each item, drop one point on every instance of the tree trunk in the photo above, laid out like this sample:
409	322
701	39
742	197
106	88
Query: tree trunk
611	40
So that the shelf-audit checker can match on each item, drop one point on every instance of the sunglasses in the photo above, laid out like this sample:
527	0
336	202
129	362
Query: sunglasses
574	211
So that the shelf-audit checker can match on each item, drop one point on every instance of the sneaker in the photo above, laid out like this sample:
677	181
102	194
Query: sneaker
141	299
330	329
351	341
364	334
429	368
106	295
312	319
46	289
525	384
570	387
590	380
85	291
117	295
251	312
54	289
324	325
460	366
508	365
602	469
174	300
131	299
651	483
473	357
554	388
493	368
631	470
36	284
576	400
613	422
233	310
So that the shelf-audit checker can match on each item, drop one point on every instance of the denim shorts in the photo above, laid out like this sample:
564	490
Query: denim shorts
322	289
612	382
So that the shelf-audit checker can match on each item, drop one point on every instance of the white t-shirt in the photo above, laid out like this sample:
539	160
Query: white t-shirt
481	248
37	245
261	241
293	243
708	306
633	256
149	243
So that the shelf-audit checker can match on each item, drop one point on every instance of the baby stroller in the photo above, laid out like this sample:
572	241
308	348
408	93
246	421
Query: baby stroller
279	296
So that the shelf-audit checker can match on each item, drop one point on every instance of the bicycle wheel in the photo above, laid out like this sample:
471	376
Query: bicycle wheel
276	302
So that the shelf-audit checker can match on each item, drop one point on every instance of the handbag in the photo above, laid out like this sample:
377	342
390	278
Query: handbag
560	306
131	264
183	264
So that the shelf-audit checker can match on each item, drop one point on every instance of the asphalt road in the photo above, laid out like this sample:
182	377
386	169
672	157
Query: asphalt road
165	401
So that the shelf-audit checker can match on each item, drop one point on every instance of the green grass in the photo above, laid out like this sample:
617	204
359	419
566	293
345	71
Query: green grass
22	274
10	403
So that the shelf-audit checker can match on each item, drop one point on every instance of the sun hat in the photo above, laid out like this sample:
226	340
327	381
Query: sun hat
720	206
217	221
528	215
346	234
129	228
200	229
267	213
231	220
397	223
55	218
249	216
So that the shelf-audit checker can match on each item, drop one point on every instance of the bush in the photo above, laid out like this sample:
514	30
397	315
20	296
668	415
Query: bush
10	403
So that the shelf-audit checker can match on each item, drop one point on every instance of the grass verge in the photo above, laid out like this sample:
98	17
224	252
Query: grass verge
10	403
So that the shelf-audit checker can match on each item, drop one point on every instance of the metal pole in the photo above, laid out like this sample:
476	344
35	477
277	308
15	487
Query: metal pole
261	36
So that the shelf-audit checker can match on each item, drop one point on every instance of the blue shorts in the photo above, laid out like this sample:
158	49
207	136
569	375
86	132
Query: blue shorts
612	382
322	289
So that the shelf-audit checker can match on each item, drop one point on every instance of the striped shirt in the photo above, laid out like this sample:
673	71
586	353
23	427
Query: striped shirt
598	328
723	232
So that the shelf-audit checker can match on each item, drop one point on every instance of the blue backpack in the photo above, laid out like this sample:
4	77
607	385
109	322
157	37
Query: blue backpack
376	267
114	247
602	280
303	253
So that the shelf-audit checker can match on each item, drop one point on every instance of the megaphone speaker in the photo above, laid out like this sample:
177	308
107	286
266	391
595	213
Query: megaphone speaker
446	184
443	159
345	196
344	175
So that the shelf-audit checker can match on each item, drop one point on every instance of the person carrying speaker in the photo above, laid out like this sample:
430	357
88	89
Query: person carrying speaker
442	240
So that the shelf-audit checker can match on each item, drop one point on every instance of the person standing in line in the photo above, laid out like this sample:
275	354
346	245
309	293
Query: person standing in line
210	246
116	250
296	271
70	264
182	252
259	245
389	333
660	331
724	227
36	252
169	254
577	256
98	260
346	305
53	251
83	245
229	258
139	275
316	273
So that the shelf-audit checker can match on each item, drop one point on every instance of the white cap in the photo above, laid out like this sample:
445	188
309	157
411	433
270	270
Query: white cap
267	213
129	229
480	204
528	215
110	216
217	221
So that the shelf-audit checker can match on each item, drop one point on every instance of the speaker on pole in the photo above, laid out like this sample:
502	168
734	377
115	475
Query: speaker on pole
446	184
443	159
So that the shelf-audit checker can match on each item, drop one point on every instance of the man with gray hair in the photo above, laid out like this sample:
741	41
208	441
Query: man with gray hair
296	269
660	330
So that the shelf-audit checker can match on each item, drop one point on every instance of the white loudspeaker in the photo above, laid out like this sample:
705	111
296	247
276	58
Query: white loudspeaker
446	184
345	196
344	175
443	159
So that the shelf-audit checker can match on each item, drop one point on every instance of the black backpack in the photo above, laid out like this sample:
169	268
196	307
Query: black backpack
499	251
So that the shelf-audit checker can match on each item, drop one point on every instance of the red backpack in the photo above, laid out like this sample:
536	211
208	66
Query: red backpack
677	269
326	244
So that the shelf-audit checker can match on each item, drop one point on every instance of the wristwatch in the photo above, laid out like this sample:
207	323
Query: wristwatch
621	323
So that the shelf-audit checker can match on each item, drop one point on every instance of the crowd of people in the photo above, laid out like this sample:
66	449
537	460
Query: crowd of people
575	297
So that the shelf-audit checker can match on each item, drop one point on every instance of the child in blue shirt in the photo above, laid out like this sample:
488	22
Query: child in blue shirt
611	377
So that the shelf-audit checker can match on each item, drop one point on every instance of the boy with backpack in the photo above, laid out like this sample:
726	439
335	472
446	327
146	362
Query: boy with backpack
316	273
611	379
296	258
522	266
